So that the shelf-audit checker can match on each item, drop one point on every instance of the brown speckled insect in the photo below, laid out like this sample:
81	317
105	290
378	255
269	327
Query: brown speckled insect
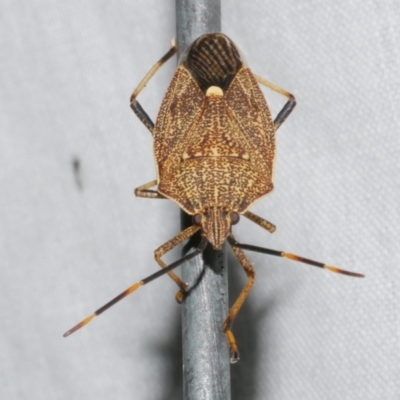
214	146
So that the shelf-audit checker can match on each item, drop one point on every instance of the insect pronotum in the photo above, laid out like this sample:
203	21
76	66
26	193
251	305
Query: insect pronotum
214	147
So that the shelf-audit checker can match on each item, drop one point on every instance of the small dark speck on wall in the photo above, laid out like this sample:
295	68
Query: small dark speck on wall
76	166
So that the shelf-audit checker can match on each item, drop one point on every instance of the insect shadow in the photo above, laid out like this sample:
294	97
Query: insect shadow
244	375
251	328
170	351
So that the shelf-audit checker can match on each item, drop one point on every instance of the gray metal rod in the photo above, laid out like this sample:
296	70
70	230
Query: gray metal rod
206	366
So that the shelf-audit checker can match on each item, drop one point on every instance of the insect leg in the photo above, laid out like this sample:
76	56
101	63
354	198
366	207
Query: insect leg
287	108
200	248
248	269
235	244
135	105
260	221
142	191
166	247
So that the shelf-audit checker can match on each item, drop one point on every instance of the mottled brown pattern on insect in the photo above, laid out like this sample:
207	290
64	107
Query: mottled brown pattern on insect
214	150
226	157
217	135
180	109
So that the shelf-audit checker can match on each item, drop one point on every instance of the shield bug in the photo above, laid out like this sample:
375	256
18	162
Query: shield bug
214	147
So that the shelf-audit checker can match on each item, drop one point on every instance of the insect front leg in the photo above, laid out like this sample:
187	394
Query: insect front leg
165	248
143	191
270	227
287	108
248	269
135	105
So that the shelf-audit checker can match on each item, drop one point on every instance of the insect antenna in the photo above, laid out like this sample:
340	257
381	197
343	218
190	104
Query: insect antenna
200	248
291	256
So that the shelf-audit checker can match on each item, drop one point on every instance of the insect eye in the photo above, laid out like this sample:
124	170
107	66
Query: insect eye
234	218
197	219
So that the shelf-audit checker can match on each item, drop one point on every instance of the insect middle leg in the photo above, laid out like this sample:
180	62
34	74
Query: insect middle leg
135	105
166	247
143	191
248	269
287	108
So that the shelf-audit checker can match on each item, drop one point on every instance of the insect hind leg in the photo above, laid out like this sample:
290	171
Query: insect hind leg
249	270
135	105
287	108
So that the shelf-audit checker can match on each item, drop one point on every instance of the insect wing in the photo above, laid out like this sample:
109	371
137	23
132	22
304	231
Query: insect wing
180	109
247	105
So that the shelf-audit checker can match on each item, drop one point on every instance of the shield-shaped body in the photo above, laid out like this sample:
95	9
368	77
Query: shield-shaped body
214	148
214	138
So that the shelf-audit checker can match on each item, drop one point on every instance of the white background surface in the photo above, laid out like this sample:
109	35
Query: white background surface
67	71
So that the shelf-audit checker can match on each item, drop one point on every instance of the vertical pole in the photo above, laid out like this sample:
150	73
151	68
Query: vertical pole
206	367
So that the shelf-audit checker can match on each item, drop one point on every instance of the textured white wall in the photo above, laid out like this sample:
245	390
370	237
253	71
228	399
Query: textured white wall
67	71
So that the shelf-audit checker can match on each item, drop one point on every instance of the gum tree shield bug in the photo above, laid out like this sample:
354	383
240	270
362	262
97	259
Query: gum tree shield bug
214	147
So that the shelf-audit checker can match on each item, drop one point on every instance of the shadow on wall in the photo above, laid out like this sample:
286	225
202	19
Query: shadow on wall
252	326
169	352
247	332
